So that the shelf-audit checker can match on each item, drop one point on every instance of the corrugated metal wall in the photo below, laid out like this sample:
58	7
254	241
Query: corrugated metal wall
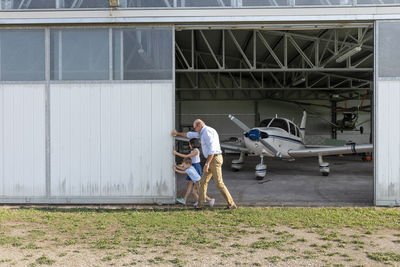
112	140
387	114
387	150
22	140
109	143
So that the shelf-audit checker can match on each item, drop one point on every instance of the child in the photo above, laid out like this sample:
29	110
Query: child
194	178
194	155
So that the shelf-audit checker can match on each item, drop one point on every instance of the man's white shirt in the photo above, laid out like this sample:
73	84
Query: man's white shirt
209	140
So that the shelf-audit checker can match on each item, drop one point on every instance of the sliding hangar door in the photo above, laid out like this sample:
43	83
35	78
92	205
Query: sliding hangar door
387	113
86	115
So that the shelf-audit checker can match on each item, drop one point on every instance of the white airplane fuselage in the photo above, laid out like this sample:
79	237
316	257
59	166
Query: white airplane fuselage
278	138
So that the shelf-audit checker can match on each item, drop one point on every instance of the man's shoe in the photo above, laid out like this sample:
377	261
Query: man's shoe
212	201
233	207
181	200
196	203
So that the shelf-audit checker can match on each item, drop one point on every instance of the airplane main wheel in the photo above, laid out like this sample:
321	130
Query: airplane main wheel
235	170
325	173
259	178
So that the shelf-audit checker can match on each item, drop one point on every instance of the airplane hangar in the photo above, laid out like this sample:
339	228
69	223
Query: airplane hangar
90	92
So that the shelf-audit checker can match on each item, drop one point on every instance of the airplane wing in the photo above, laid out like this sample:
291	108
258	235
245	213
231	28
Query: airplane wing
336	150
234	147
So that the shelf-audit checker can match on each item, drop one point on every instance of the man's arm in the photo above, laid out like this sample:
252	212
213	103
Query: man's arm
175	133
186	135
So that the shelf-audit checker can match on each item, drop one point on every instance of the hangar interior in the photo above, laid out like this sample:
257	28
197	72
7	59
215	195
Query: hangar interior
262	71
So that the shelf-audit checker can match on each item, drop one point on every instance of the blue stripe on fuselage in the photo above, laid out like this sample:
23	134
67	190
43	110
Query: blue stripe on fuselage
286	138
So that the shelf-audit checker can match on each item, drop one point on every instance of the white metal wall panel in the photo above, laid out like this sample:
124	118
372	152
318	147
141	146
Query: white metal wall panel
112	141
22	140
387	149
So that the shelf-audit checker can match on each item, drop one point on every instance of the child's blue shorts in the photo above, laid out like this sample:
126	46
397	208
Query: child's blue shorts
197	166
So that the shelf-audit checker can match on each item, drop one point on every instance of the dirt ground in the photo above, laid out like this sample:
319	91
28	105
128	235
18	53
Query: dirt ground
277	246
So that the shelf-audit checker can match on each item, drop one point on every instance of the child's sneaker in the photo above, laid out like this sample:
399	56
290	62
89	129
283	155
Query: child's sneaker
196	203
212	201
181	200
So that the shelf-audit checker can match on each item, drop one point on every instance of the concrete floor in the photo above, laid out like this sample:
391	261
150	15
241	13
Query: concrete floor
297	183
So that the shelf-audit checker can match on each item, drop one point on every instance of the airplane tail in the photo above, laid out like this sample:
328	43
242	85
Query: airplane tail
303	124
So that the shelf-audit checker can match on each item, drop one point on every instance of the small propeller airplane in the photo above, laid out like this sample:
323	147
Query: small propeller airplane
281	138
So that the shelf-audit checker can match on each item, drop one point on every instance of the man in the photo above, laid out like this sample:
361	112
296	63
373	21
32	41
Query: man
212	168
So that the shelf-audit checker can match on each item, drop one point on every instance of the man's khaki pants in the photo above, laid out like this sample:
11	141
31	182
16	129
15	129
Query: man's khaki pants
214	171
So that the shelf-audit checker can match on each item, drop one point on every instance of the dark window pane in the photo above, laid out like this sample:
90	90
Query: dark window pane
142	54
80	54
22	55
279	123
148	3
292	129
388	57
265	123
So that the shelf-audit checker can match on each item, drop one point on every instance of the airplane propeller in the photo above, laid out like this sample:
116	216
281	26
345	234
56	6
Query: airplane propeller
239	123
255	135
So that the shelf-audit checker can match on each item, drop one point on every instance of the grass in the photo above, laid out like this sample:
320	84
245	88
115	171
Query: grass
130	231
384	257
160	227
44	260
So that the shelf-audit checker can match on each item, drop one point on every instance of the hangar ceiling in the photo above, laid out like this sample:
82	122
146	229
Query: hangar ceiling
258	63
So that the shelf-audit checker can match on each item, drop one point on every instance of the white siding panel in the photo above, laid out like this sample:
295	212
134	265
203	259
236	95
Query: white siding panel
162	150
22	140
112	141
2	147
105	140
387	142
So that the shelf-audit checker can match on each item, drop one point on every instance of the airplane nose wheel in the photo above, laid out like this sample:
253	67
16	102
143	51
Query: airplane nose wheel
323	166
261	170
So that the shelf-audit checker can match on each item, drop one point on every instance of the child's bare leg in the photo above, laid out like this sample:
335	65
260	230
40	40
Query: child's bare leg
189	188
195	190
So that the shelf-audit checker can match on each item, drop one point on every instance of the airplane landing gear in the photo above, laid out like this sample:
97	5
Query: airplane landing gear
323	166
261	169
237	164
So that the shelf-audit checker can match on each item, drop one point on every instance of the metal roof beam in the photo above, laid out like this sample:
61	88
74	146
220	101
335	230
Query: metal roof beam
210	49
240	49
319	69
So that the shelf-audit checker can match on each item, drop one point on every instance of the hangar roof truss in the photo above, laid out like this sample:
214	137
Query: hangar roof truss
254	61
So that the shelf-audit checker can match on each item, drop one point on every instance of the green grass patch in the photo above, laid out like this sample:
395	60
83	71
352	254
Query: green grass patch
274	259
11	240
264	244
384	257
44	260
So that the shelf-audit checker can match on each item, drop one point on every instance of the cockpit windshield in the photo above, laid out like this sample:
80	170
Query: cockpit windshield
279	123
265	123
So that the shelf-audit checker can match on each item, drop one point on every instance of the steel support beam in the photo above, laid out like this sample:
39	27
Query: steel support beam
320	69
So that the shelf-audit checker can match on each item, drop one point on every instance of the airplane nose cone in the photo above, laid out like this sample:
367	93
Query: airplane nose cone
254	134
